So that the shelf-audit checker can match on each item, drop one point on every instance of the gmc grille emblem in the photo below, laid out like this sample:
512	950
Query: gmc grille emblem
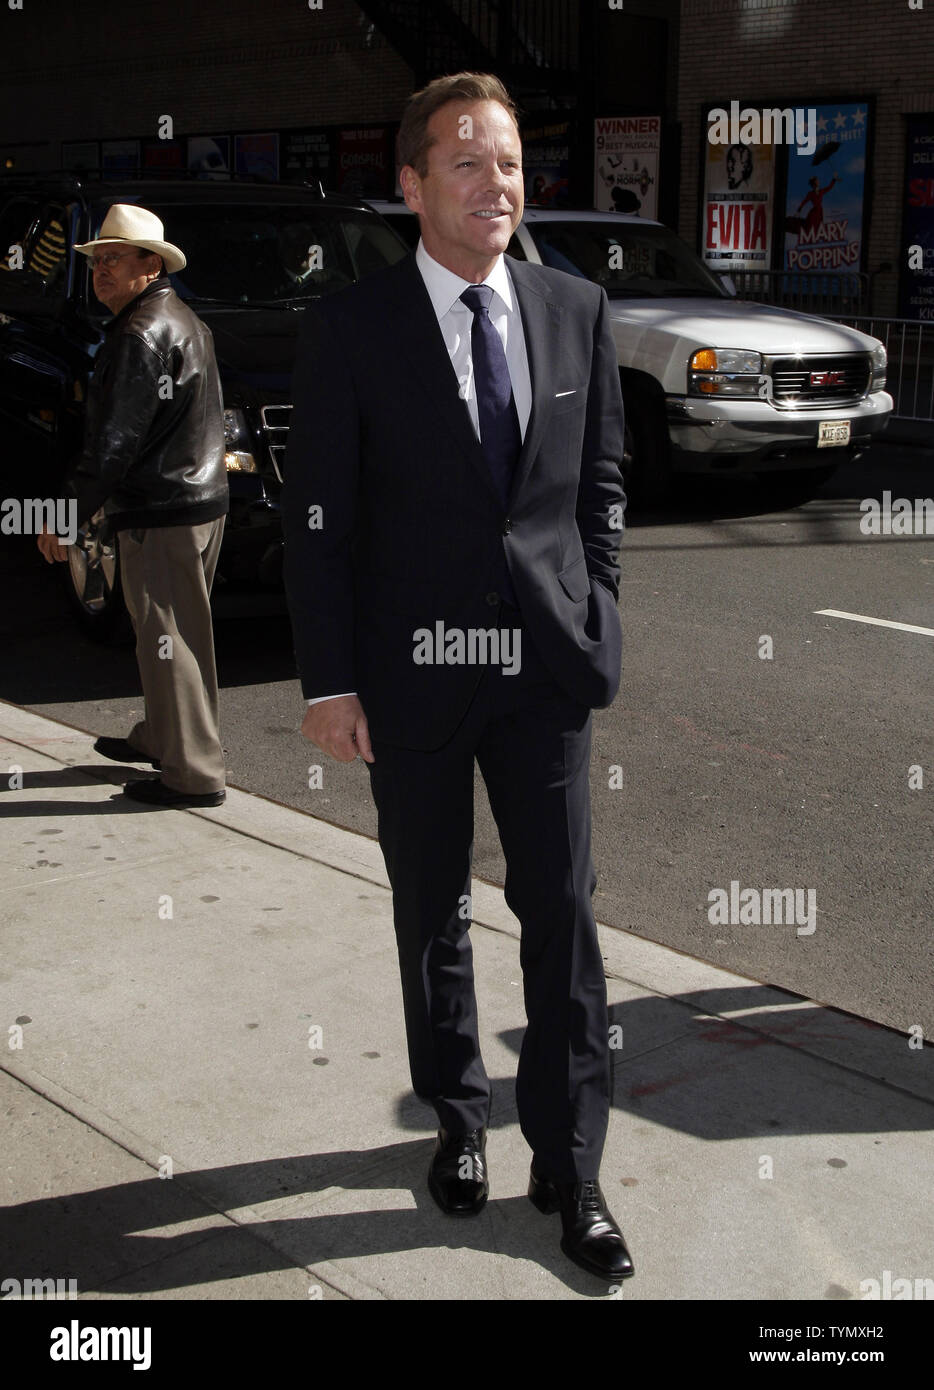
827	378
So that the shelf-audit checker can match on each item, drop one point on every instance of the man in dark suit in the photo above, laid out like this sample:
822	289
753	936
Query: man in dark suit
452	512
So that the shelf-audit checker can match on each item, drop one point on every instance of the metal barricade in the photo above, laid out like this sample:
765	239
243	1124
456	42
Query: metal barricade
910	348
829	293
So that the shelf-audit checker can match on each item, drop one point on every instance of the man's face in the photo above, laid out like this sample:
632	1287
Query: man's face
471	200
115	285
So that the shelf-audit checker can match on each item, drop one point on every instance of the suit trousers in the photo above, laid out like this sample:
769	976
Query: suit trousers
167	573
532	745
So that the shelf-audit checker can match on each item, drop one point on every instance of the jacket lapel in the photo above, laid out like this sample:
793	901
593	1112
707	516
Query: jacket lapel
419	340
541	322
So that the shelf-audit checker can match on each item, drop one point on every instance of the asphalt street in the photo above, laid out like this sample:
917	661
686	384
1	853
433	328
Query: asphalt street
717	765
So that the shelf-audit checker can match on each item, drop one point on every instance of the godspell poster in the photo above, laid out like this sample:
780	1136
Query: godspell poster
823	225
916	281
738	193
364	161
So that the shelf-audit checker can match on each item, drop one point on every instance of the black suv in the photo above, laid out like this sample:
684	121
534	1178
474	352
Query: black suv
257	253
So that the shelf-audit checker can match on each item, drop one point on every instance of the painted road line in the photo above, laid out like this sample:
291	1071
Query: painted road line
876	622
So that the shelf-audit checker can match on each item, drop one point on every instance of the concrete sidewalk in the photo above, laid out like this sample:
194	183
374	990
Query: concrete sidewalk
215	994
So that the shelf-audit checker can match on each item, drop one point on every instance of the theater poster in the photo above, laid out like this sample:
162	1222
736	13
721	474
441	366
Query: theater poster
209	156
739	190
119	158
163	156
307	155
916	260
545	160
81	155
626	152
257	155
823	218
365	165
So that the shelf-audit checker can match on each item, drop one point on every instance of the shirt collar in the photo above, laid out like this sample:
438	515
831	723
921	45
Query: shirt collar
445	288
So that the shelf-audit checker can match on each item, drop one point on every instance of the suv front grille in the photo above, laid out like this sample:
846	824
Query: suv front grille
840	379
275	420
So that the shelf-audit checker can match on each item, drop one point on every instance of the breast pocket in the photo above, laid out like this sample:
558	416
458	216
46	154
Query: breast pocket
569	400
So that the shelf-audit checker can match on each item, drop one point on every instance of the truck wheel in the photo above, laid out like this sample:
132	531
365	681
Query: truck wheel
646	462
92	579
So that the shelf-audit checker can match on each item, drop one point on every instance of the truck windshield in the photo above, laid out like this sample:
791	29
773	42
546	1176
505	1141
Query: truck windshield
248	254
628	260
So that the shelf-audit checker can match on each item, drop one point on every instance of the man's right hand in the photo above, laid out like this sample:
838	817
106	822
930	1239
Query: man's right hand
339	727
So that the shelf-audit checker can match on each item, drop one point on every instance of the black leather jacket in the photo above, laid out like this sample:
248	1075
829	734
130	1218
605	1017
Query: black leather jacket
154	435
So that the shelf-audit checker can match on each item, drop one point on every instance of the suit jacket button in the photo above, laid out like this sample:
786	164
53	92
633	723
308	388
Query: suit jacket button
492	600
507	526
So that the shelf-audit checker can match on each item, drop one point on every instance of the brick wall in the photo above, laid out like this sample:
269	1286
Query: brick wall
799	52
106	69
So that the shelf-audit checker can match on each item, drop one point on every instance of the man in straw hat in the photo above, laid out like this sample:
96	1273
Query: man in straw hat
154	458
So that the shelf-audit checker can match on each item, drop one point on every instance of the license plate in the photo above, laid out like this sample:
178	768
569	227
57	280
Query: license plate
830	432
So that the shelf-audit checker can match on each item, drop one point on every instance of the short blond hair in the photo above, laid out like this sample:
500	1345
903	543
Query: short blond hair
413	141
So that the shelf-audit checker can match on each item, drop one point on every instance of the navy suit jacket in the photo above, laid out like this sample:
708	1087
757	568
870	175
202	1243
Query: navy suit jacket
410	530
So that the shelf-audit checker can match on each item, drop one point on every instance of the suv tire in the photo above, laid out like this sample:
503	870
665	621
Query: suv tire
647	474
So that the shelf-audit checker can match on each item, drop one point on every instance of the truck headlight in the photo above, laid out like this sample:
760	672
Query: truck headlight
879	364
726	372
238	457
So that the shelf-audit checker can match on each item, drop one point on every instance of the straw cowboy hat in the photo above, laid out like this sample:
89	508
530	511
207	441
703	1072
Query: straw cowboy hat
132	226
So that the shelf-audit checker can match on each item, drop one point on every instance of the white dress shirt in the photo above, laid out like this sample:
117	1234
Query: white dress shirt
456	323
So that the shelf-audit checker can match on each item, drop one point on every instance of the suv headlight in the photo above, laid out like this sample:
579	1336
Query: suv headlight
238	457
726	372
879	363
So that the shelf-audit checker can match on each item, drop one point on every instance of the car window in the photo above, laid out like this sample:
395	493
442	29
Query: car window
630	260
17	219
248	253
371	245
515	250
47	252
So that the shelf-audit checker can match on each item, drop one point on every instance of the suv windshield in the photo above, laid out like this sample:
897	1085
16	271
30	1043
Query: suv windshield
628	260
251	254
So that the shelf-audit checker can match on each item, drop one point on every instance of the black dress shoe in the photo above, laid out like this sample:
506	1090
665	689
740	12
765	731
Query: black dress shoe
119	751
457	1178
591	1237
152	791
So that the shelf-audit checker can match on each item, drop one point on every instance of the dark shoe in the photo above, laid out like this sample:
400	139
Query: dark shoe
457	1178
591	1237
152	791
119	751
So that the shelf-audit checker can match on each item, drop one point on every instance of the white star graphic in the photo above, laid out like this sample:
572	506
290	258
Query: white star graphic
839	121
822	123
860	117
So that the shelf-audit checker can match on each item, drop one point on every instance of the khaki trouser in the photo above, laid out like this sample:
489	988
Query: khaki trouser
167	572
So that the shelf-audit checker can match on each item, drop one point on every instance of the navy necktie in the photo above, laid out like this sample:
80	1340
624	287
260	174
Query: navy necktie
500	435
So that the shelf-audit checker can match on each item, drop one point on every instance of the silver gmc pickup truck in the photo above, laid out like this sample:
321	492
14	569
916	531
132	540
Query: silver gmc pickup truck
711	384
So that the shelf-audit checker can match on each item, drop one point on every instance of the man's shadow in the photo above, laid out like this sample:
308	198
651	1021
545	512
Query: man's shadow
678	1068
